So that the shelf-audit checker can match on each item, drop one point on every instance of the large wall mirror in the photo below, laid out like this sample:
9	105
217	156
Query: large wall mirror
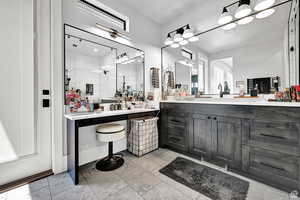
256	54
101	70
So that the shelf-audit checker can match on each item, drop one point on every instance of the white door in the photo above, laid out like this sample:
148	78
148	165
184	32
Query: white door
25	137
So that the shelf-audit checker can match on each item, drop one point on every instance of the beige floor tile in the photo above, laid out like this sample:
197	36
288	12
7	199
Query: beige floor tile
105	185
143	183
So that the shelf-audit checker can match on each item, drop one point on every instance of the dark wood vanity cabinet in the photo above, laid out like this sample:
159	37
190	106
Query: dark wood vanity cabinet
260	142
216	138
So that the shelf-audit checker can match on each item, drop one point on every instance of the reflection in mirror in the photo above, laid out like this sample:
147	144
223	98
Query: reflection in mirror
251	56
98	70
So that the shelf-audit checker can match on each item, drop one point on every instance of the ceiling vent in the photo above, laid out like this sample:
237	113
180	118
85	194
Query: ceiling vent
105	15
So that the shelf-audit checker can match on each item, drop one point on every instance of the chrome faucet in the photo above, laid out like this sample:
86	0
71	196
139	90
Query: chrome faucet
220	87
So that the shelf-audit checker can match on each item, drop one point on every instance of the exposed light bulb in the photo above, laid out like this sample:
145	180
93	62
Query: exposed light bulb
183	42
169	40
265	13
225	17
178	37
243	10
263	4
245	20
229	26
175	45
188	32
193	39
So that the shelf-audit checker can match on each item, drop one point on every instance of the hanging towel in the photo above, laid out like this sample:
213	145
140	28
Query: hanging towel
171	82
155	77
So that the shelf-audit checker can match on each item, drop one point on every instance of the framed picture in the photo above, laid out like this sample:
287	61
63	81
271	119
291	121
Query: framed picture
89	89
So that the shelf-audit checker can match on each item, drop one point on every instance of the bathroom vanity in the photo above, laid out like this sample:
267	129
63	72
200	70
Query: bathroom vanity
258	140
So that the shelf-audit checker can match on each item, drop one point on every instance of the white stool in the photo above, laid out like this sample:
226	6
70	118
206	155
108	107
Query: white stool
110	133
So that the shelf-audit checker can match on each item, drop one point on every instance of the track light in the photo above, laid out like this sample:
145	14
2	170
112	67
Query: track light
188	32
265	13
263	4
243	10
225	17
169	40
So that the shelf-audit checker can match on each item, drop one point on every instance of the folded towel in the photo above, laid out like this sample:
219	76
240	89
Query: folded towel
155	77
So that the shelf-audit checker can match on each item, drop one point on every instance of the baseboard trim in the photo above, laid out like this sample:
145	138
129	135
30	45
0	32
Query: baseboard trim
18	183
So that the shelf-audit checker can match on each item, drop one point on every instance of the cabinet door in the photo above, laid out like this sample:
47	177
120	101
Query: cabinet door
200	135
227	141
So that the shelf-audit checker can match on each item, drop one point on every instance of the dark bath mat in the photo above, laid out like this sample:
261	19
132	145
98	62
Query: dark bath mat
210	182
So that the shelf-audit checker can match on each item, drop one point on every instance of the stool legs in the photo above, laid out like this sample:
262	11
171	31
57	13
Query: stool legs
111	162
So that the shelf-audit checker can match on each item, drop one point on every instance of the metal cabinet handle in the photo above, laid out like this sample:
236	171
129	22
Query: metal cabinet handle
273	136
176	121
215	118
174	139
208	117
271	166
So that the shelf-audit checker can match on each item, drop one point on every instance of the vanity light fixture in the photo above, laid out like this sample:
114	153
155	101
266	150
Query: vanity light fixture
193	39
181	36
243	10
187	32
178	36
265	13
245	20
225	17
229	26
175	45
243	13
169	40
183	42
263	4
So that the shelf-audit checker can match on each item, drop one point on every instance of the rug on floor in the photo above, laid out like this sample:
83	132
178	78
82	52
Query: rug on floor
210	182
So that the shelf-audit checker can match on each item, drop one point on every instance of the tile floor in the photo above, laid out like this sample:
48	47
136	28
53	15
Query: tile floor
138	179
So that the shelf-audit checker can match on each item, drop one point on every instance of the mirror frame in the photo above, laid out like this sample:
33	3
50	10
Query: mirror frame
85	31
220	26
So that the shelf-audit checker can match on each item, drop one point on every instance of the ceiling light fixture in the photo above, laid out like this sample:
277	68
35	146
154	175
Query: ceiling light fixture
225	17
245	20
96	50
263	4
265	13
178	36
188	32
169	40
229	26
243	10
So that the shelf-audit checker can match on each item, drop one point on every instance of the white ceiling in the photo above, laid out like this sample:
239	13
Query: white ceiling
162	11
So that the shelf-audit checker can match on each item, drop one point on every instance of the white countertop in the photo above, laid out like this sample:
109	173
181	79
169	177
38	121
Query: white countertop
226	101
87	115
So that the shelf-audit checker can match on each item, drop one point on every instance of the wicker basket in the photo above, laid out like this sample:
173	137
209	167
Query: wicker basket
143	136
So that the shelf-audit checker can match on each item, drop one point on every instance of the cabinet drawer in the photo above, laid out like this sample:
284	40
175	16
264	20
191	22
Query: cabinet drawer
274	167
177	142
277	136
